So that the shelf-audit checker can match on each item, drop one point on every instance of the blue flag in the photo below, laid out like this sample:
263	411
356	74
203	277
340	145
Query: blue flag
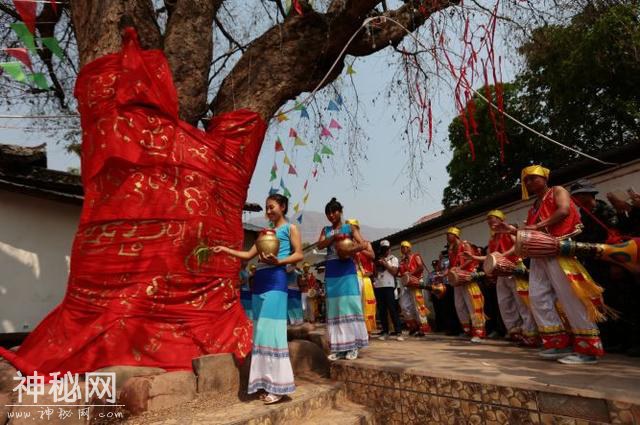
299	219
333	106
339	100
273	191
304	113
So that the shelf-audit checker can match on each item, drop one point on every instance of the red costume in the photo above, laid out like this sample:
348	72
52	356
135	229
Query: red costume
546	209
155	187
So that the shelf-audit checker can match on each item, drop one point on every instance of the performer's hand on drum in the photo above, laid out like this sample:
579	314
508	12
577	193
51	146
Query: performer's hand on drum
218	249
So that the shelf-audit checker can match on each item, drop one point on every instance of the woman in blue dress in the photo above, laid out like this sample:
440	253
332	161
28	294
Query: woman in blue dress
271	372
345	320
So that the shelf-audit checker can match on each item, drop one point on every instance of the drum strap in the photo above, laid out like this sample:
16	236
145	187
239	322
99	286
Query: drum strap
613	236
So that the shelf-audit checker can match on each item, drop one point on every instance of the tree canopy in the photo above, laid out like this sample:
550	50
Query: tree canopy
580	85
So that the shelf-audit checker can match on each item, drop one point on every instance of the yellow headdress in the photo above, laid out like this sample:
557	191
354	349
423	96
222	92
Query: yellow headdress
353	222
496	213
454	231
532	170
406	243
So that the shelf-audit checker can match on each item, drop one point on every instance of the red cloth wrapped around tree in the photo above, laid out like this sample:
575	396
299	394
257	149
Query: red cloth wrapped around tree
155	187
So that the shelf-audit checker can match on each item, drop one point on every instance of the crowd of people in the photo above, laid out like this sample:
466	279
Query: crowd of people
550	301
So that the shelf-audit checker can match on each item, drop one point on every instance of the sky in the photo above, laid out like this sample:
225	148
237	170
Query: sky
379	196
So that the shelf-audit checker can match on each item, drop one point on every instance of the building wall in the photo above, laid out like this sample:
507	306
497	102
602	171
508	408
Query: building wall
35	244
475	230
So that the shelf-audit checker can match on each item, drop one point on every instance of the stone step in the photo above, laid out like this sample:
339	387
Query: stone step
346	413
313	398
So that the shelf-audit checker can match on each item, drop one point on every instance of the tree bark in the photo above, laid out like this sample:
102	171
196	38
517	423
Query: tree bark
97	25
188	45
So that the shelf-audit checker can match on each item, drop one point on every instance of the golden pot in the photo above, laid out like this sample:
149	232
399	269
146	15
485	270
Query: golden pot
267	242
344	244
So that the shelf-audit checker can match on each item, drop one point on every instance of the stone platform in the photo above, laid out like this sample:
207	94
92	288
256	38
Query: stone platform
444	380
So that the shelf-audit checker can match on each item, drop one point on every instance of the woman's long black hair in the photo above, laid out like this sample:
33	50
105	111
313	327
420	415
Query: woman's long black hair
332	206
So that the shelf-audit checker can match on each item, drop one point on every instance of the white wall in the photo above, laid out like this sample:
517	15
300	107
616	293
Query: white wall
35	244
475	229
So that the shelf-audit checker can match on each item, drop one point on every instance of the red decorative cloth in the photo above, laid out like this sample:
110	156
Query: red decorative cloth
155	187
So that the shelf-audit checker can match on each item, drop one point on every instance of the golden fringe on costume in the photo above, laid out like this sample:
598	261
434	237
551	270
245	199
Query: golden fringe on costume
477	299
586	289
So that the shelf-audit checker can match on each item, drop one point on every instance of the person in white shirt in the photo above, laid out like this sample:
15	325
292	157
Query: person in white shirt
384	288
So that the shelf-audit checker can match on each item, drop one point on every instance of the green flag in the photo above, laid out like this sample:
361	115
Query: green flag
52	44
14	70
326	151
24	35
317	158
39	80
273	175
287	193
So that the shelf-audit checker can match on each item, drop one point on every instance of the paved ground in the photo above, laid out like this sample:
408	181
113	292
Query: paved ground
497	362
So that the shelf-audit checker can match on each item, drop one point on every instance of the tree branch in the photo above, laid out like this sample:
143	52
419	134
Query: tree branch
46	24
9	11
388	33
188	45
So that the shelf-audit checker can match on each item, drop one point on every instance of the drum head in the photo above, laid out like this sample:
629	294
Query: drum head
489	264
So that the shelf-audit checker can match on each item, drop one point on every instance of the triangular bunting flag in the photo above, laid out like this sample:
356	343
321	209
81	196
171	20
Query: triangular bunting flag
306	183
279	147
27	11
39	80
273	176
296	208
333	106
339	100
306	198
335	124
326	151
317	158
299	219
273	191
350	70
325	132
14	70
52	44
292	170
24	35
304	113
282	183
287	193
21	54
286	160
298	106
282	117
299	142
315	172
293	132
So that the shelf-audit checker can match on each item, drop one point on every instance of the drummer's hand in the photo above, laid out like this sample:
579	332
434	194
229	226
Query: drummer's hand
218	249
467	255
530	227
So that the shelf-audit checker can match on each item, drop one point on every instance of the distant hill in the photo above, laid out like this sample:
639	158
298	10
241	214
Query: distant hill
313	222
